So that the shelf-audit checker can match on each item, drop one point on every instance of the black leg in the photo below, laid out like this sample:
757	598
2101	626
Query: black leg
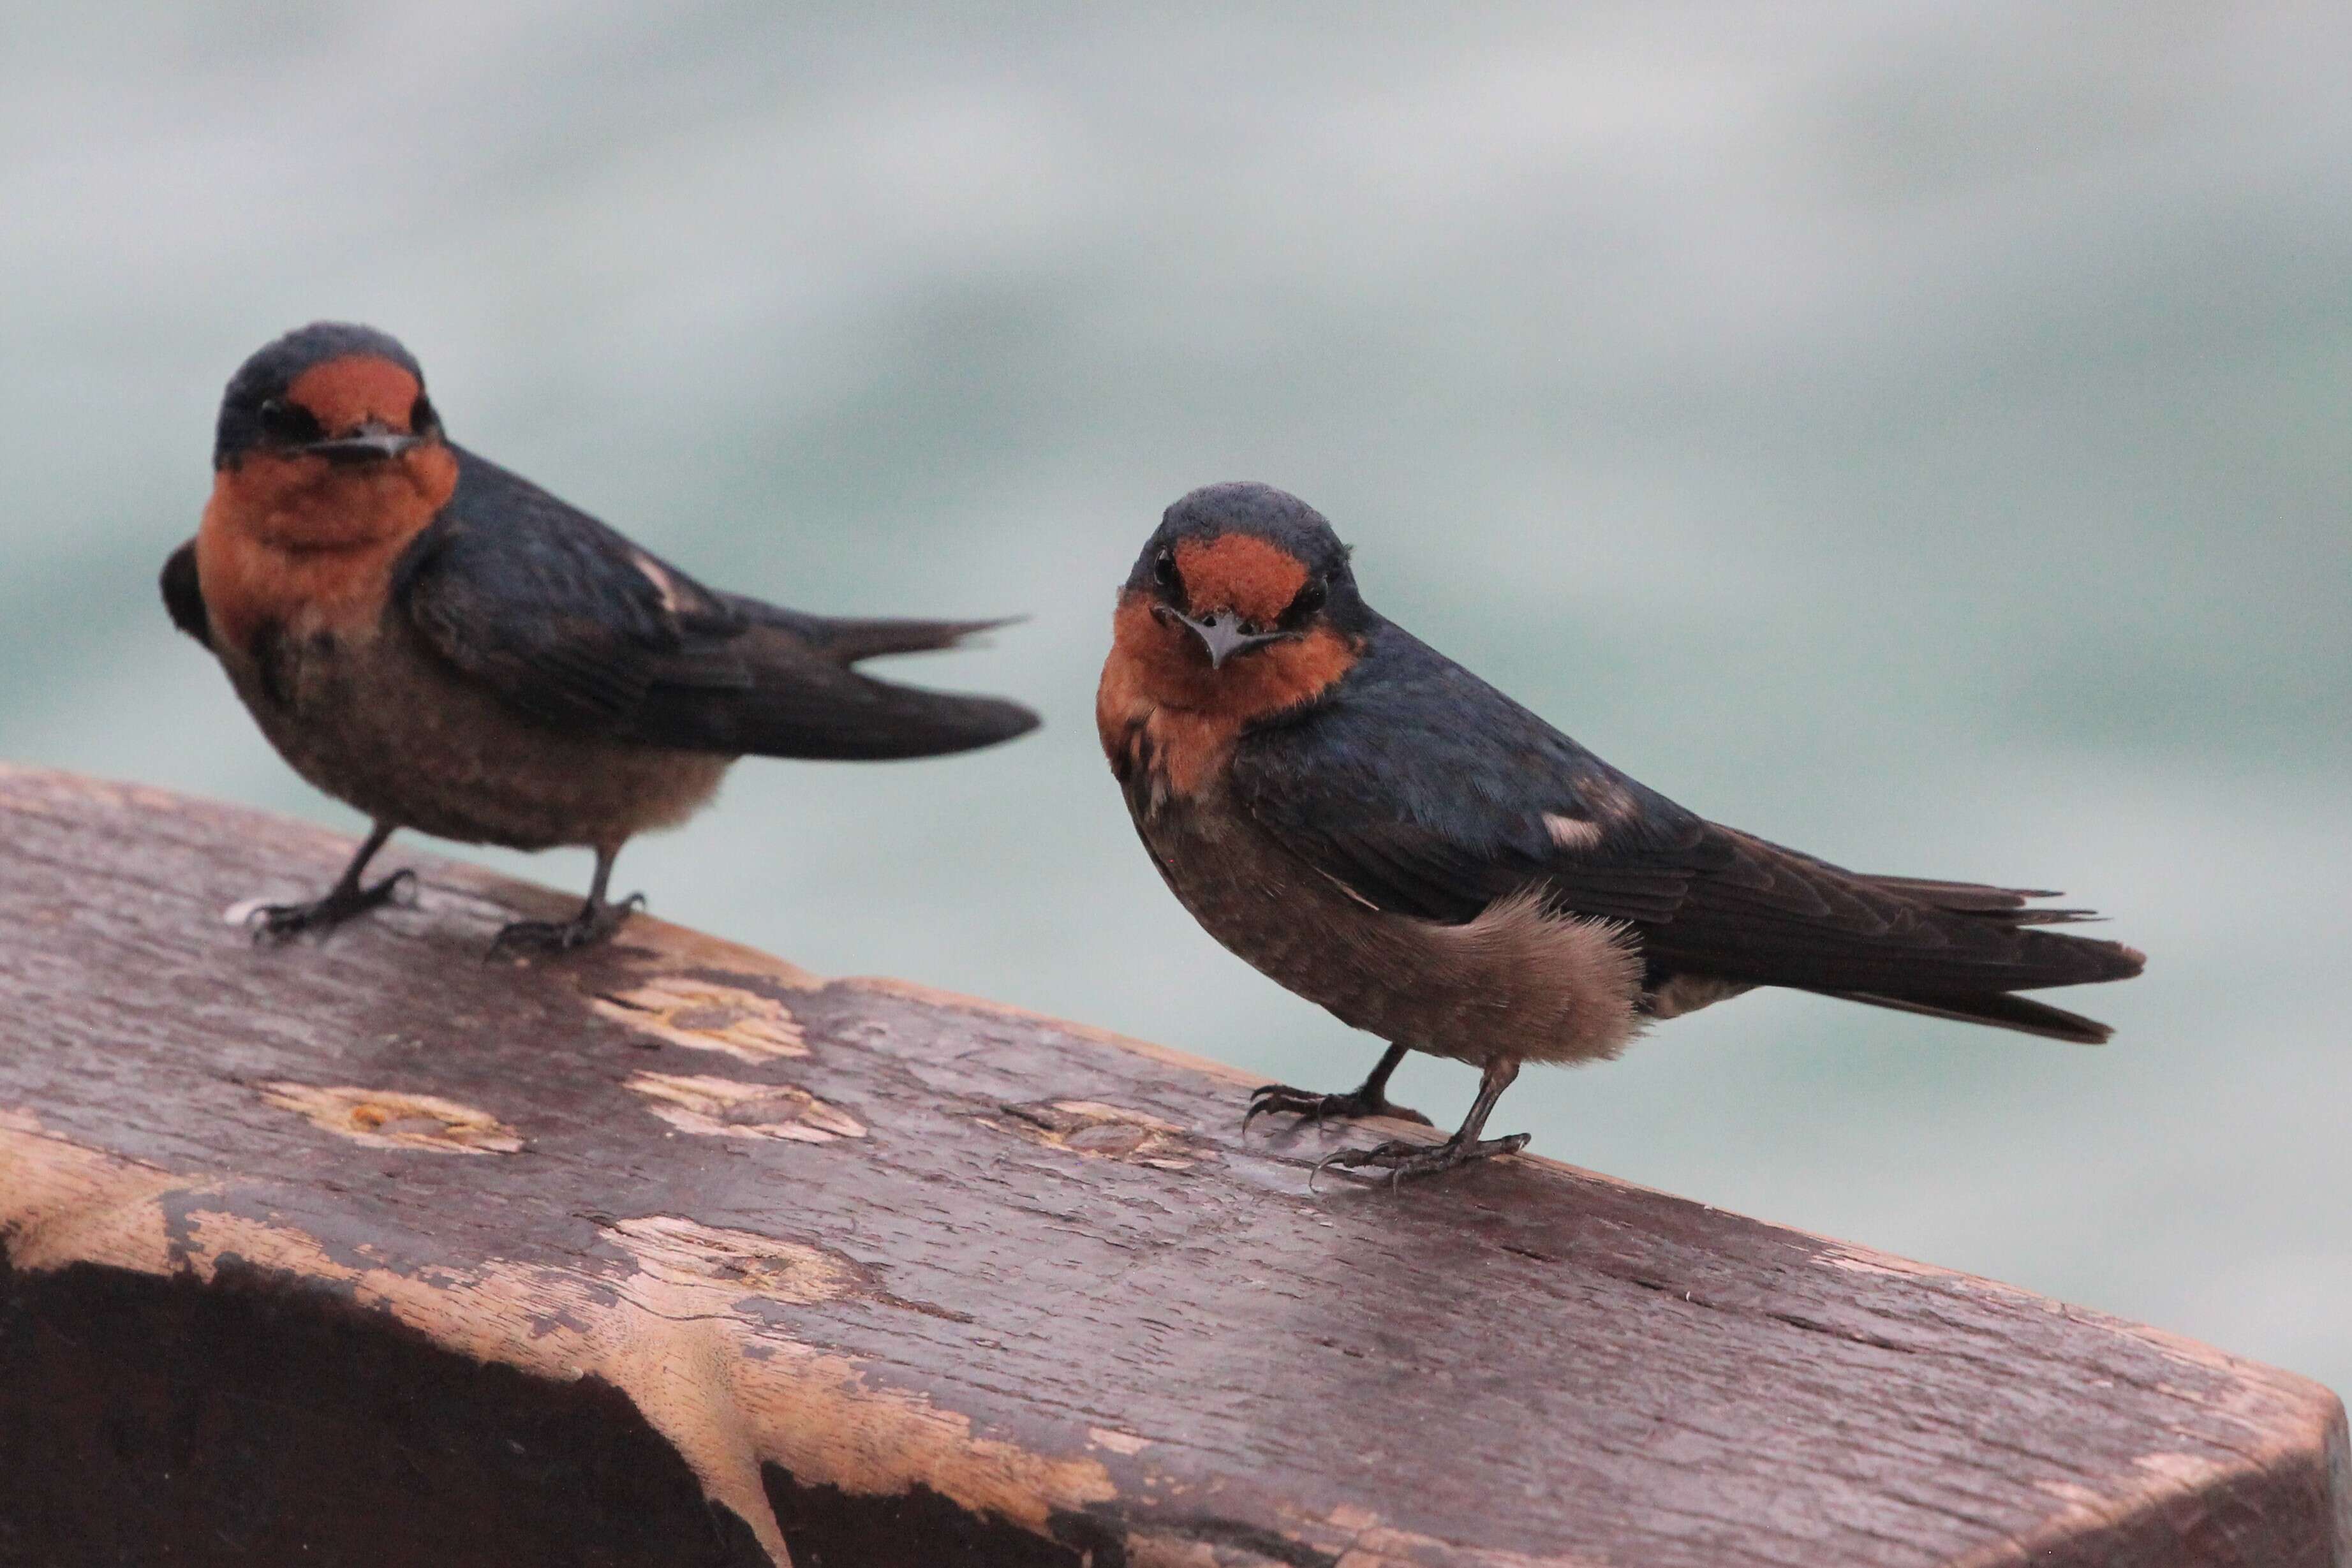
595	922
1401	1159
347	897
1369	1098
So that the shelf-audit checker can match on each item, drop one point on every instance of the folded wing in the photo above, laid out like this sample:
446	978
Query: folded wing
184	596
1429	793
574	626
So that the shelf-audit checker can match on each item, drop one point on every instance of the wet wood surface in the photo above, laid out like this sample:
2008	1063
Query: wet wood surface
368	1251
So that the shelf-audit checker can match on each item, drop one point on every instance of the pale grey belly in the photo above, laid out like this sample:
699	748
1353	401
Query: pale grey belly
378	723
1513	983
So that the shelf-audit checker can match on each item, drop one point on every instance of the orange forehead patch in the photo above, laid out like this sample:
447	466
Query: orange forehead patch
1241	572
346	392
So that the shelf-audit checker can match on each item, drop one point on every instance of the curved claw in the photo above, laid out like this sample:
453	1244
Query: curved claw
1401	1159
1281	1096
1395	1153
1317	1107
590	926
283	922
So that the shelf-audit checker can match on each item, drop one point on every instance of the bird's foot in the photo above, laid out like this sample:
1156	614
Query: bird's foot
284	922
1401	1159
1283	1099
592	924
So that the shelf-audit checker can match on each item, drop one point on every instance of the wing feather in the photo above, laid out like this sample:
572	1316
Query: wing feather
1428	793
574	626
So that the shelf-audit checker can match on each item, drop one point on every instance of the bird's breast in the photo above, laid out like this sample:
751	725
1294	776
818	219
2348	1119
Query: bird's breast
1158	752
1169	721
298	546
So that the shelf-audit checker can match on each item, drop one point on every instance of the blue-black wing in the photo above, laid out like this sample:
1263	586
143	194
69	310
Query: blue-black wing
1426	792
574	626
184	596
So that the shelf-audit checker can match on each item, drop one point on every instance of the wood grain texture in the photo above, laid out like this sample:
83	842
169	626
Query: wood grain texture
369	1251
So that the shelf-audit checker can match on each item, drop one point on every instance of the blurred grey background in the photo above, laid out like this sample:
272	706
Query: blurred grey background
1922	433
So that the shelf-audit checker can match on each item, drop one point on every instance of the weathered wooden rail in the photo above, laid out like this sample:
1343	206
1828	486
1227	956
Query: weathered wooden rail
371	1252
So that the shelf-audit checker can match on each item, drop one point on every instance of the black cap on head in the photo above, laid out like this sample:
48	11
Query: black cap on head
1262	511
273	367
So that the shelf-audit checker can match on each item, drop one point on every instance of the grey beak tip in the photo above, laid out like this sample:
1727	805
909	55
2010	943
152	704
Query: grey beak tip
1222	636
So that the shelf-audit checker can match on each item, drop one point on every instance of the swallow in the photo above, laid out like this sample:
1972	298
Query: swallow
1376	829
446	647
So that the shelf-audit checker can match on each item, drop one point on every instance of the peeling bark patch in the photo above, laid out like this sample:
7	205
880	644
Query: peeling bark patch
727	1391
728	1108
1126	1443
688	1253
389	1119
682	1252
1105	1132
62	1203
704	1016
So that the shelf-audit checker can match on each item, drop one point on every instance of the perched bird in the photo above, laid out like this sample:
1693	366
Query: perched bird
448	647
1385	834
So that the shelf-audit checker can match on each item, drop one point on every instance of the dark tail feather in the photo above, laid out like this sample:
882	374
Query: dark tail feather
1962	895
2052	958
792	694
852	640
849	640
2008	905
820	711
1999	1009
892	721
2039	958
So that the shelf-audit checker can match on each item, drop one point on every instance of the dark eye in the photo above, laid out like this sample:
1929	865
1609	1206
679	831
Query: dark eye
1309	600
288	422
420	416
1164	568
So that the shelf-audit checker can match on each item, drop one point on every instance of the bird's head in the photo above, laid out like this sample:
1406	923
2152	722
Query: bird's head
327	431
330	391
1241	601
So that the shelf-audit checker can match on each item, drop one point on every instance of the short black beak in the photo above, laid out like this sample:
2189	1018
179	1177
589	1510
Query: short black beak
374	442
1224	635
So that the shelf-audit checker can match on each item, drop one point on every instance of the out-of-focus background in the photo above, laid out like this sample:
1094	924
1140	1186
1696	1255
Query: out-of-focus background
1919	433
